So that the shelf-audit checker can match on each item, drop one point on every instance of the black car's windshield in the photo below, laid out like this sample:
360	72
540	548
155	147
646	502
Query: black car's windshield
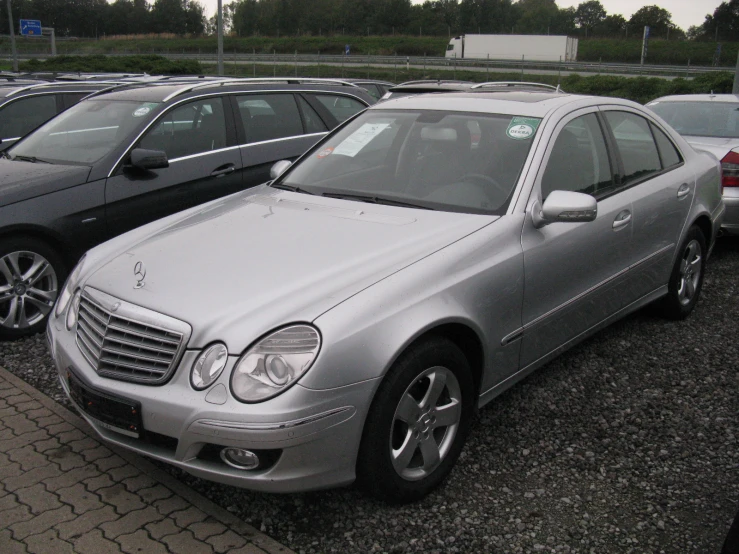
85	132
700	119
452	161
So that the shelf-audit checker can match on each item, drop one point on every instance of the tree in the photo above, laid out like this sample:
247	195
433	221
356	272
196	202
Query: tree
611	26
658	19
589	15
722	25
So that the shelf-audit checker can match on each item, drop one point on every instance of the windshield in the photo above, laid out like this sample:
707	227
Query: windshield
700	119
85	132
429	159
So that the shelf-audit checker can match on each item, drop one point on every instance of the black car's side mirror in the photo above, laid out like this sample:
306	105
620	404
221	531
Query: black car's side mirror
148	159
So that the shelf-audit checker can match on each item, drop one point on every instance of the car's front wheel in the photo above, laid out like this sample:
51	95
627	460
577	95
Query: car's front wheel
418	422
31	274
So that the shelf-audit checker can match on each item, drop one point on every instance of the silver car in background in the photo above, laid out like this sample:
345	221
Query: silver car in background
710	122
344	321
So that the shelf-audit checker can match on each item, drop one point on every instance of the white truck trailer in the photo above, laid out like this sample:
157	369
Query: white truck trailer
535	48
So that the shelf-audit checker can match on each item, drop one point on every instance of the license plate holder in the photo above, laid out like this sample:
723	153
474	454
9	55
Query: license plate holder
110	411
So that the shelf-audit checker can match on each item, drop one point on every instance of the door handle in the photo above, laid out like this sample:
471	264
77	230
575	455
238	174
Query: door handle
683	191
622	220
223	170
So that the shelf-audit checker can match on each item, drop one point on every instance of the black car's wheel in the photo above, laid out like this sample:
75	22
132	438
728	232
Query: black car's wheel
686	279
31	275
418	422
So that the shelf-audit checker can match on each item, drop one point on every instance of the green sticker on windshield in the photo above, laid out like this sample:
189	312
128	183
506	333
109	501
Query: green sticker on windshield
143	110
521	128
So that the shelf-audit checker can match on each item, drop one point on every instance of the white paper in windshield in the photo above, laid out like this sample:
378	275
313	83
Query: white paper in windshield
352	145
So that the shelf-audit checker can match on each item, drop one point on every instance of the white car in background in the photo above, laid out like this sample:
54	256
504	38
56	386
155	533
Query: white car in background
710	122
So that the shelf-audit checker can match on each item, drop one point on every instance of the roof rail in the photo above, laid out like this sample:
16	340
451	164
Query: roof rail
430	81
237	80
27	87
513	84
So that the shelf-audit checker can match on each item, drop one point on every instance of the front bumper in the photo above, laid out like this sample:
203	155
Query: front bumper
730	226
316	432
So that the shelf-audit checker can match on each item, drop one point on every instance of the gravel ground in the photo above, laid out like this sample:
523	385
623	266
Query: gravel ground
627	443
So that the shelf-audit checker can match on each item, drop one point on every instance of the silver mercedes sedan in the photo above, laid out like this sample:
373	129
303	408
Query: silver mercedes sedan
710	122
344	321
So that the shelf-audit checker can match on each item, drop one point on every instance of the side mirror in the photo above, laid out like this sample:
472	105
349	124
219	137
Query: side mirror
148	159
564	206
279	168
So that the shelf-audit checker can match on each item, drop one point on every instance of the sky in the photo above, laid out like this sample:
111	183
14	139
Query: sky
684	12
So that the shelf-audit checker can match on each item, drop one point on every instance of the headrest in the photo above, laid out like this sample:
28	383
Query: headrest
446	134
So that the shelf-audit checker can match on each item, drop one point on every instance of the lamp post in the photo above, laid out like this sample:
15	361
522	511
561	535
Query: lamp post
219	33
12	38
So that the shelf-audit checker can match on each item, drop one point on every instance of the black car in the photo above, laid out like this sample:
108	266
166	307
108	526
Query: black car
26	105
125	157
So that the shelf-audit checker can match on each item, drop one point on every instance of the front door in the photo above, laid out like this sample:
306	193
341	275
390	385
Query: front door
574	272
204	164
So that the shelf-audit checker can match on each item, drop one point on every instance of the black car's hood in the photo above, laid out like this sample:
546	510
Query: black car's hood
24	180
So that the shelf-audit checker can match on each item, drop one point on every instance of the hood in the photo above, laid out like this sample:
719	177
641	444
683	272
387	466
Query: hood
717	146
239	268
24	180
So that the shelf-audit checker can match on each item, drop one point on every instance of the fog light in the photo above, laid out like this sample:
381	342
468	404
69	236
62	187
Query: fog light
240	458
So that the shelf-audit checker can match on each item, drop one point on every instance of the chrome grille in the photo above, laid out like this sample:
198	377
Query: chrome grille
122	347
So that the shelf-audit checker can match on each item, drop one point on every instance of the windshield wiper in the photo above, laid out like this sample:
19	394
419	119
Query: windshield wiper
373	199
4	154
291	188
32	159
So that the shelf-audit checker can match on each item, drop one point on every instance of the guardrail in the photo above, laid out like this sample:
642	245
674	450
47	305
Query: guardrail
421	61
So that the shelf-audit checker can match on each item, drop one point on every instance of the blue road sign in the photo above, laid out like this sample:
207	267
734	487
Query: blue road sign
31	27
346	50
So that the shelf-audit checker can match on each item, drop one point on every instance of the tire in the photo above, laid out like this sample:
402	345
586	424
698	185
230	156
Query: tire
411	441
31	277
686	278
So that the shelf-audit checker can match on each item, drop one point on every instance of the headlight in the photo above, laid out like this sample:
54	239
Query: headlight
73	310
208	366
66	295
275	363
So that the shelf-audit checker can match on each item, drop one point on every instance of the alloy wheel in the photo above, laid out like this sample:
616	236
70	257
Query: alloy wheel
28	289
690	272
425	423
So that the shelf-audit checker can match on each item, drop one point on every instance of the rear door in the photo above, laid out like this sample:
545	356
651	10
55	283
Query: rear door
273	126
661	188
204	163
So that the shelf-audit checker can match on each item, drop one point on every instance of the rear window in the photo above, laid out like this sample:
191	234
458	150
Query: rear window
700	119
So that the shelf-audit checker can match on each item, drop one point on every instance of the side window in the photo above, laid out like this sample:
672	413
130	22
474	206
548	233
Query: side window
22	116
71	98
269	116
313	123
635	144
373	89
190	129
579	160
341	107
668	151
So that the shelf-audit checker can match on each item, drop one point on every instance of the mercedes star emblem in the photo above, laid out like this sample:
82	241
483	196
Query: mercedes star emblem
139	271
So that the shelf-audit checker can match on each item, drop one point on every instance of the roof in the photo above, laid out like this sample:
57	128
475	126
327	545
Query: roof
532	104
22	89
160	92
733	98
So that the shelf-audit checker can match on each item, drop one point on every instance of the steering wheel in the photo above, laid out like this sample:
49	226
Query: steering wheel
486	179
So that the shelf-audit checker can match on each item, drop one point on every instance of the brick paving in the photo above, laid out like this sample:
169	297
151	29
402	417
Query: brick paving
62	490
